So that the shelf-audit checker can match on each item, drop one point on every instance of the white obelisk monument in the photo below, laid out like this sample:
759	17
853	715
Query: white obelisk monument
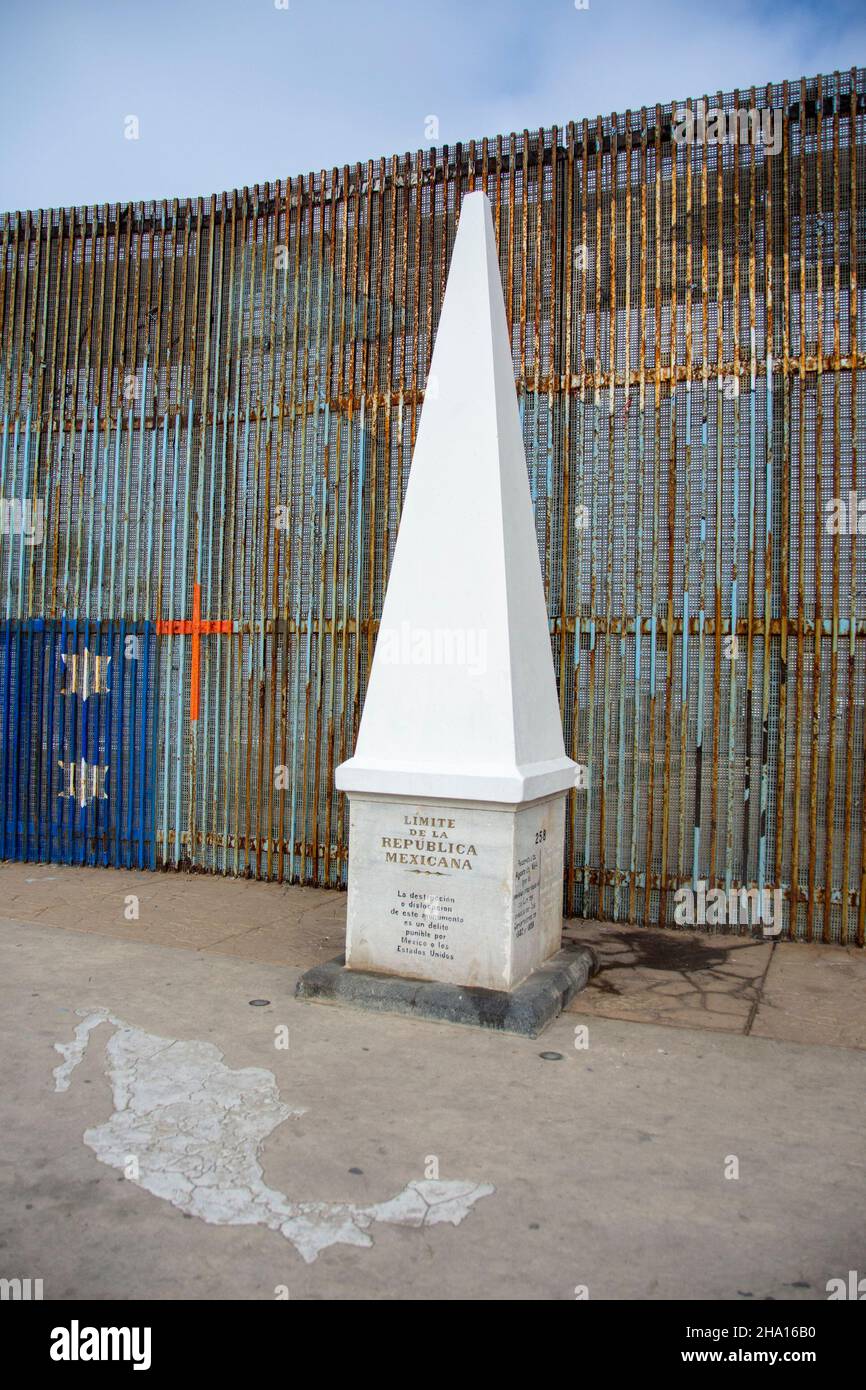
458	781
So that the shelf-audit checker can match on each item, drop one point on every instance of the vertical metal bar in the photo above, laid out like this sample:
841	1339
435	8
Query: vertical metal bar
236	601
785	508
768	166
163	609
567	509
657	386
854	353
851	671
43	646
52	478
638	734
351	619
609	509
311	336
687	524
222	783
101	812
801	529
819	461
181	714
332	462
290	647
702	578
210	760
671	517
625	494
317	519
596	427
717	510
266	531
209	413
280	500
260	499
830	784
745	875
583	251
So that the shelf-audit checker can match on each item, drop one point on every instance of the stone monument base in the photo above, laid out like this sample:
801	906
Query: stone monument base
527	1010
459	893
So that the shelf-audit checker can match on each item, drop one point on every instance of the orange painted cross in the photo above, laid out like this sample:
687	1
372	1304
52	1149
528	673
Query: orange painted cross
180	627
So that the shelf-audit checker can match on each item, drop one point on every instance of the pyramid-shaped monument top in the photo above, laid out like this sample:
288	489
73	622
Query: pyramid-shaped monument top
461	701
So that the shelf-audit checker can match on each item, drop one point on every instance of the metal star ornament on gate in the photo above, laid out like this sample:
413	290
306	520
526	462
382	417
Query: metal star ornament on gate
83	781
88	674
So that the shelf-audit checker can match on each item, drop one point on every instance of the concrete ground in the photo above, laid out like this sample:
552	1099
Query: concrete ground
692	1127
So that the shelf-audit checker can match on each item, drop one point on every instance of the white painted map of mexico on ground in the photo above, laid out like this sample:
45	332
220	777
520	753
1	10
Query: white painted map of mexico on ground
195	1129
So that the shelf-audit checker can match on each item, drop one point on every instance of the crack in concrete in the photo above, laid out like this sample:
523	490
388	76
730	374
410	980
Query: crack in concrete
760	987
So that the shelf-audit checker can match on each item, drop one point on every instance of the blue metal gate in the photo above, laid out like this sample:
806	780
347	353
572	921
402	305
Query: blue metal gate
77	737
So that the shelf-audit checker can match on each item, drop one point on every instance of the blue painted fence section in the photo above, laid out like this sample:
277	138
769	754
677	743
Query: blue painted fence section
78	742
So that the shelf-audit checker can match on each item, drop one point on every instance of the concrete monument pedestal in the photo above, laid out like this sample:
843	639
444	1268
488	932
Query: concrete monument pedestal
457	786
465	893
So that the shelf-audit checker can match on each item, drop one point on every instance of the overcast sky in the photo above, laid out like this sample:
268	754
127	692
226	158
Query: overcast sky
233	92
